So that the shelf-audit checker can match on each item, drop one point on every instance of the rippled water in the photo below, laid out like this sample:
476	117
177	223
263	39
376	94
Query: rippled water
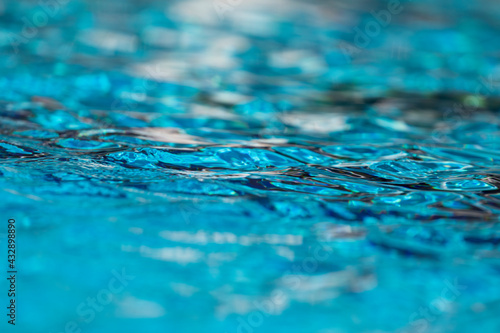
251	174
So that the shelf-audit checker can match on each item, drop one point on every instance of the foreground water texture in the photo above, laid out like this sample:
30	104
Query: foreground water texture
252	166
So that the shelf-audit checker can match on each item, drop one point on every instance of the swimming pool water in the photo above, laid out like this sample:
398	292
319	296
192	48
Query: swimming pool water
249	167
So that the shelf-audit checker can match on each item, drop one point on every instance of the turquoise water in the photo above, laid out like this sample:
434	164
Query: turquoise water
252	167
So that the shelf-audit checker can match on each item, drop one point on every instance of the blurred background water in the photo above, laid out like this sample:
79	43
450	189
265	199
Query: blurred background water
252	166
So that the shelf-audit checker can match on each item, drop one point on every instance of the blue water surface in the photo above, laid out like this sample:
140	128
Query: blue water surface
251	166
